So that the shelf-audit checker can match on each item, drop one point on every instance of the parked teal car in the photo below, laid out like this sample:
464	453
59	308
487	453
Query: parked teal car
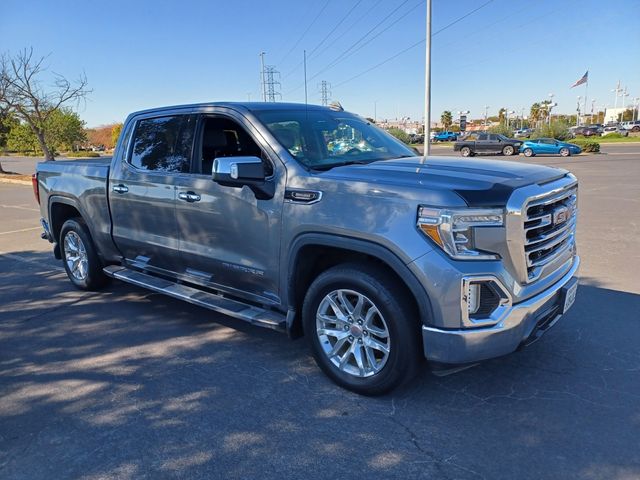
548	146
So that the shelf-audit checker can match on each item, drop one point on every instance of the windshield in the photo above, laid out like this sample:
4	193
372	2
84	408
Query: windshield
322	139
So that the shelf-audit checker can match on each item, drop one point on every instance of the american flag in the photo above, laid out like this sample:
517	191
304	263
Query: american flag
584	79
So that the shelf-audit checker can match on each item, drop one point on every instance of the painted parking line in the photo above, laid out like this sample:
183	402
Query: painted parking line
20	207
21	230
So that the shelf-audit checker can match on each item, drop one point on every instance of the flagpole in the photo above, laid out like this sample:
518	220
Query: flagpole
586	91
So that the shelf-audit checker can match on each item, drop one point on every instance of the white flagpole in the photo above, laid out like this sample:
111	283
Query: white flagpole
586	91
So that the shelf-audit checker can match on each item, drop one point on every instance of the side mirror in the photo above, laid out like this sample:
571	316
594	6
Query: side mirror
240	171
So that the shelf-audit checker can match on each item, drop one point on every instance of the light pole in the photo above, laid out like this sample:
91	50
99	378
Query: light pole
593	102
427	85
551	95
623	95
521	118
616	91
375	111
486	109
636	104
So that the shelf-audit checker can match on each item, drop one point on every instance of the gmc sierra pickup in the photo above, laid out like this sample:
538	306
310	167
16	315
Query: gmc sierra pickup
313	221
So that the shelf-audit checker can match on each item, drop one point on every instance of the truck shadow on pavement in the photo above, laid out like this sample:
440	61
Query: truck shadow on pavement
126	383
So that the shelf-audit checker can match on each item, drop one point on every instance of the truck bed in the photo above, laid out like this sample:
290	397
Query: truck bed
81	184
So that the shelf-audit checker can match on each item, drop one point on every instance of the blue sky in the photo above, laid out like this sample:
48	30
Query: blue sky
139	54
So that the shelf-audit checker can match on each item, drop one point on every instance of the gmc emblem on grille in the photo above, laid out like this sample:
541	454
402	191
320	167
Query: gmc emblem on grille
560	215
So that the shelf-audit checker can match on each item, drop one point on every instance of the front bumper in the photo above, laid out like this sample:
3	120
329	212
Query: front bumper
522	323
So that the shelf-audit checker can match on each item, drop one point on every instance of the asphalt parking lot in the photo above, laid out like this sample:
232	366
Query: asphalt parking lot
130	384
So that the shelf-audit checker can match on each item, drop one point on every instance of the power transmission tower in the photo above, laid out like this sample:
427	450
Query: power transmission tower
325	92
271	84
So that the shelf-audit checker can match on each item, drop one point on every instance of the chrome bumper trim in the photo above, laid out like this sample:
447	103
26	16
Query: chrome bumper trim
472	345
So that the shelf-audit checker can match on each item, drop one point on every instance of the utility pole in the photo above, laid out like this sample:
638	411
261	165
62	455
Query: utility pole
551	95
325	92
427	86
304	58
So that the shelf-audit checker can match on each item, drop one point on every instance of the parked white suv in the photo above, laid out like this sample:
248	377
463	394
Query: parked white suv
614	129
631	126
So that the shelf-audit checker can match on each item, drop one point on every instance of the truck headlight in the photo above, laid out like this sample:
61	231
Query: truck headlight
453	229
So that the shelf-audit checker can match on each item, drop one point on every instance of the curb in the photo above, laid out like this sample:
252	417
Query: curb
17	182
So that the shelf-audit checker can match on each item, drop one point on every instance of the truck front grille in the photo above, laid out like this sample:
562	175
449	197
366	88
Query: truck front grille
549	228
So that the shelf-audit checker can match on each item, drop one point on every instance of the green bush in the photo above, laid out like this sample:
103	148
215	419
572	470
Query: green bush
586	144
82	154
558	130
501	129
399	134
614	135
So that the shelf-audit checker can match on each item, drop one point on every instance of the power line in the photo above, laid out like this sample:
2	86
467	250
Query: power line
315	19
325	38
350	50
372	8
393	57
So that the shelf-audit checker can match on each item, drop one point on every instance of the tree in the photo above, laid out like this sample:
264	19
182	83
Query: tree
64	127
115	133
22	92
535	113
7	122
446	119
399	134
502	115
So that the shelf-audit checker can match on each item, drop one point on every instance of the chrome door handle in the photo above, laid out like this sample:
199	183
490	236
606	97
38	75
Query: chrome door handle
120	188
189	197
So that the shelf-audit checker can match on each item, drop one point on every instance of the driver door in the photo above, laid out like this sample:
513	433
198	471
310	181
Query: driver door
228	239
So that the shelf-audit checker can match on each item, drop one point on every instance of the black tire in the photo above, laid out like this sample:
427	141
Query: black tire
508	150
565	152
466	152
528	152
93	278
636	129
404	354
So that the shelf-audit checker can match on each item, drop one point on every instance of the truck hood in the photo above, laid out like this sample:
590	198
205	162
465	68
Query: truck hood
480	183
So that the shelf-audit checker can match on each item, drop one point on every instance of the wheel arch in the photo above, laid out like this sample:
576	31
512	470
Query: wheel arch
311	254
62	209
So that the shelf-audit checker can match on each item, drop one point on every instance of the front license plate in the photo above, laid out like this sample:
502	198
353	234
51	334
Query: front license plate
569	294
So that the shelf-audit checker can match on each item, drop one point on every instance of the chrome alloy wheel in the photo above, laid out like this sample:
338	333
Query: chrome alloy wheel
75	254
353	333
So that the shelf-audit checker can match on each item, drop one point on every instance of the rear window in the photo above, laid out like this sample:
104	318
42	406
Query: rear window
163	144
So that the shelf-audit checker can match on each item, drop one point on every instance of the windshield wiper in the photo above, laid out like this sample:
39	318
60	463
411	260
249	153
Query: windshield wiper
329	166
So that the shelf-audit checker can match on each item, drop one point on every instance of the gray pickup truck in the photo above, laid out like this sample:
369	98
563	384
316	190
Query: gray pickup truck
313	221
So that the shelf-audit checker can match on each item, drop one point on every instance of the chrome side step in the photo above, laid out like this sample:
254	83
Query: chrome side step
233	308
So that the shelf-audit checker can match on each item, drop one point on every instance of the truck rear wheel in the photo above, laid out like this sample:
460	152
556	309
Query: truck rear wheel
360	329
465	152
80	257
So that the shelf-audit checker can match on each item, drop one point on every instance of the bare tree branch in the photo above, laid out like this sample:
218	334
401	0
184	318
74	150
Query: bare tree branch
22	92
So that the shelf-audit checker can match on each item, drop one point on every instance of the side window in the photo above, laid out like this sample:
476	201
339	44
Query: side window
163	144
223	137
493	137
483	136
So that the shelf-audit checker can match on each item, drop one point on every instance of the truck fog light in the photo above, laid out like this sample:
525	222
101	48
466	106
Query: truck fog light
473	298
483	300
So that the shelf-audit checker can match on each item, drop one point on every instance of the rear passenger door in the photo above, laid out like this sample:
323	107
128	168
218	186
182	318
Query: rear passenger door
142	190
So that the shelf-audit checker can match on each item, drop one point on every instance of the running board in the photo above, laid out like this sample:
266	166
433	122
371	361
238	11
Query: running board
233	308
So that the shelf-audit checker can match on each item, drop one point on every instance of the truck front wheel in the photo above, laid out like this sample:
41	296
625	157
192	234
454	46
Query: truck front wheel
361	331
466	152
79	256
